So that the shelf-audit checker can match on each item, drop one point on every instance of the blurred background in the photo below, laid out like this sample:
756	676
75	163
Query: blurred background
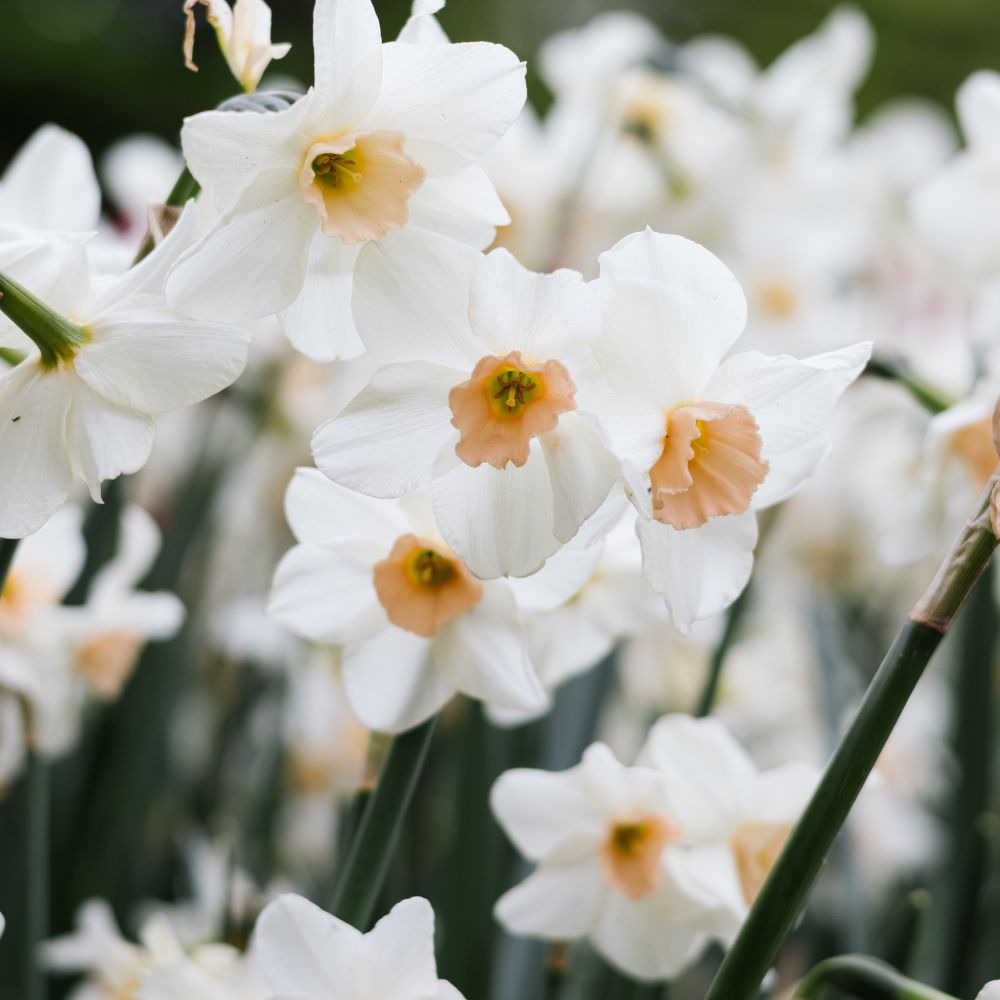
68	60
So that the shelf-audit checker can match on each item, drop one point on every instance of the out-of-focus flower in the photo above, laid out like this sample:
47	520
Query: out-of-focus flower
631	858
487	391
704	442
306	953
959	209
991	991
415	624
244	35
83	404
387	138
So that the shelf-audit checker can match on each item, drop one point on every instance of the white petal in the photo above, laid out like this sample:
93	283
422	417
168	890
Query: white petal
402	947
543	315
792	402
563	576
347	45
546	811
482	653
461	97
252	265
326	593
391	681
582	471
658	343
558	903
323	513
50	184
105	440
300	950
154	361
710	775
780	795
37	476
678	264
411	299
319	322
499	521
387	439
228	151
978	106
464	206
700	571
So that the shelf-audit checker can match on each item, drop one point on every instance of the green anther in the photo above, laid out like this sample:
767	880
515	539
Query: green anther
513	385
331	169
430	568
56	338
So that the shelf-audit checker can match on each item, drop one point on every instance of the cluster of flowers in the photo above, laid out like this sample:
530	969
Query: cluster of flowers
516	471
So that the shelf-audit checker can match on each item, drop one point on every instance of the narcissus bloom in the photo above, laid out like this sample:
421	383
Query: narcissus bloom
703	441
631	858
375	577
487	392
82	404
244	35
387	138
305	953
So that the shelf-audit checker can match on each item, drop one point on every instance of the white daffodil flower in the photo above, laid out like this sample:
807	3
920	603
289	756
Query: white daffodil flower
306	953
415	624
991	991
244	35
633	859
82	406
386	139
958	210
486	392
704	442
762	807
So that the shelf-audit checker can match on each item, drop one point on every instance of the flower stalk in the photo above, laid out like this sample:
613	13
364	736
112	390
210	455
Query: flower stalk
37	884
373	843
785	892
55	337
865	978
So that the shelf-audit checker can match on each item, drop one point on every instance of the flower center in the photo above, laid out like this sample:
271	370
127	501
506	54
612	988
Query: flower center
421	586
107	661
974	446
710	464
360	184
504	404
631	854
756	847
26	593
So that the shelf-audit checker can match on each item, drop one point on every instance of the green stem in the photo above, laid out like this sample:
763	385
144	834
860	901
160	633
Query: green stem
185	188
865	978
377	835
785	892
37	862
923	392
8	549
11	357
55	337
734	617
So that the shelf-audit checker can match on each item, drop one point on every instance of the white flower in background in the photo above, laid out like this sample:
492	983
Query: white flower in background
704	442
762	806
375	577
486	392
386	139
244	35
991	991
958	210
83	406
305	953
50	205
157	968
633	859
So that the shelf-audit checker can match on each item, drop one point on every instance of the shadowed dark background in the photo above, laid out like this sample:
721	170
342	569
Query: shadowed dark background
107	68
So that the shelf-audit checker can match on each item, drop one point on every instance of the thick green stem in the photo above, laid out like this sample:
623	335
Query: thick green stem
55	337
785	892
36	855
927	395
374	842
865	978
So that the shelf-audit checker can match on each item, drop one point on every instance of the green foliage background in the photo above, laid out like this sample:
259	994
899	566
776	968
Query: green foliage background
106	68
